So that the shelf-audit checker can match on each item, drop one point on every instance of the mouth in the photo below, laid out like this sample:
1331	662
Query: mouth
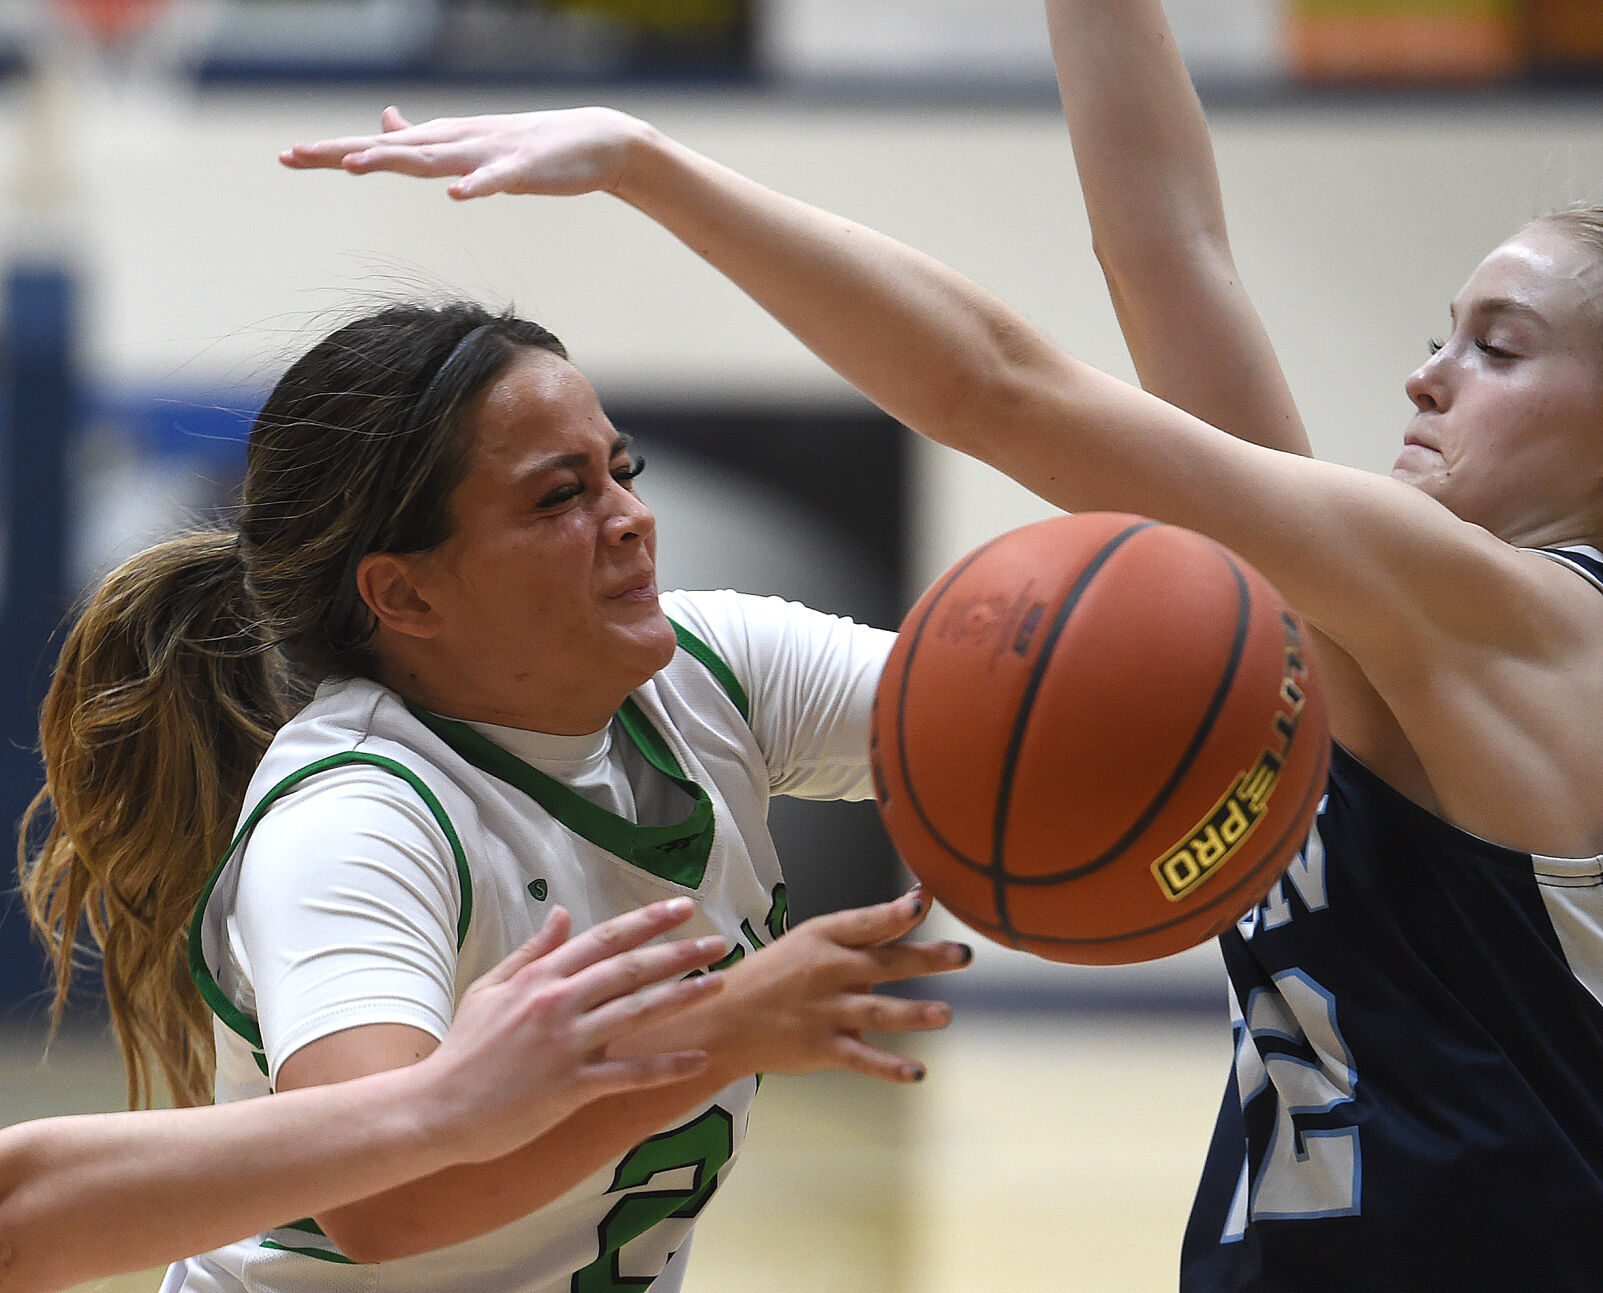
640	588
1416	439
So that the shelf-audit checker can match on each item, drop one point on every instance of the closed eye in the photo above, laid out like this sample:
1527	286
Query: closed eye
624	475
563	494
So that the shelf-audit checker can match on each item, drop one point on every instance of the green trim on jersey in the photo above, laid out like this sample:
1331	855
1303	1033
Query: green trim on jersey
715	665
321	1254
232	1017
310	1228
677	852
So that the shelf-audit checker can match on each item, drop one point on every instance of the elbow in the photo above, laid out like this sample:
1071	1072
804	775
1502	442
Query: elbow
23	1239
368	1247
1011	384
371	1235
1150	270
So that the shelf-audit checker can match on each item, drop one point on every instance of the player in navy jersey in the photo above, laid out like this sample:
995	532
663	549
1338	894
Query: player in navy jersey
1414	1101
1416	1094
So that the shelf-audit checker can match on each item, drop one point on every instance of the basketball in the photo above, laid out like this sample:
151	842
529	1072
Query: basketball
1099	739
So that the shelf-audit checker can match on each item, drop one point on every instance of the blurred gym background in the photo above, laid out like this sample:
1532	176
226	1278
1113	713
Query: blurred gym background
158	268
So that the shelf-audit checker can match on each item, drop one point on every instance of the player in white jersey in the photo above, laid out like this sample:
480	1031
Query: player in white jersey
441	535
373	825
1449	1017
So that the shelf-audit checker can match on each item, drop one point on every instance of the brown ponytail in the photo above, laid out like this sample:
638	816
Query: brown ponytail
162	704
191	656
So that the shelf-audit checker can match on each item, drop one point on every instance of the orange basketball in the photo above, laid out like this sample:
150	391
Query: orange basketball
1099	739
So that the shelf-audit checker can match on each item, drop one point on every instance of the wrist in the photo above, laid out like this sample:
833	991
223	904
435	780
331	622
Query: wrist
650	159
427	1117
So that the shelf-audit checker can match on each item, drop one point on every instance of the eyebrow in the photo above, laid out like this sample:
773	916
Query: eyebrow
1501	305
563	461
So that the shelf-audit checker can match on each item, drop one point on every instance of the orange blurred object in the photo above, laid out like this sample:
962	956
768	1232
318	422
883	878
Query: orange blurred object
112	24
1407	42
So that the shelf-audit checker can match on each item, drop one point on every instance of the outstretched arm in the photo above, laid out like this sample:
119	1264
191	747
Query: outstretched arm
1151	187
1484	660
84	1197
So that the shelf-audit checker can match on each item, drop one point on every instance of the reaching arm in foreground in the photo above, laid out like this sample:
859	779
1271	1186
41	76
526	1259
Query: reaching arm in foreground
801	1004
84	1197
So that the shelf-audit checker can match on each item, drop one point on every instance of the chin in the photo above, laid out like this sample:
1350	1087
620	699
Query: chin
652	644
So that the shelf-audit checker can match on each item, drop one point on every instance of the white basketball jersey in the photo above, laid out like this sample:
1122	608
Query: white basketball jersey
704	743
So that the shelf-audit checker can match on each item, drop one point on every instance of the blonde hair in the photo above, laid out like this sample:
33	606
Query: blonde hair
1583	222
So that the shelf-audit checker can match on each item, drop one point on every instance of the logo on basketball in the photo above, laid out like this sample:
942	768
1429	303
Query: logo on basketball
994	624
1234	817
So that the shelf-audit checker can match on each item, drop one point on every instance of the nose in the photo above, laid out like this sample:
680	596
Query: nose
629	517
1425	385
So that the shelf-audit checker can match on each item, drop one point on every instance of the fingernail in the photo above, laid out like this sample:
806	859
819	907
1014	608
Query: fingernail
914	1072
917	888
712	945
965	953
679	906
918	906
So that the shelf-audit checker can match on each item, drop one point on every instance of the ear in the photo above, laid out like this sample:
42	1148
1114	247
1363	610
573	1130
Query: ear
392	586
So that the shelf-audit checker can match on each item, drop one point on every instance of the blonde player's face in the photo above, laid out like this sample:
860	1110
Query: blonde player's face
547	587
1508	431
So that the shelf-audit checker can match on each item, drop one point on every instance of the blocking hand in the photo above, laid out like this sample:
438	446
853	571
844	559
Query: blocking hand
562	152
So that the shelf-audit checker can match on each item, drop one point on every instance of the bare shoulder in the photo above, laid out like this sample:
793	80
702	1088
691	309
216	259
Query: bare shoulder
1499	717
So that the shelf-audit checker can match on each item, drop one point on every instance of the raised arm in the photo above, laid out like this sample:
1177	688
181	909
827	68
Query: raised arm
1151	187
89	1196
1469	644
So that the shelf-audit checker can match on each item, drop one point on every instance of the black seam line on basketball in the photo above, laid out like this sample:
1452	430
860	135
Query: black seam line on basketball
1020	937
1315	790
1021	717
1199	737
1246	881
901	710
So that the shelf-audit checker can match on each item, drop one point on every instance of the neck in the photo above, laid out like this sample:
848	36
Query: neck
538	707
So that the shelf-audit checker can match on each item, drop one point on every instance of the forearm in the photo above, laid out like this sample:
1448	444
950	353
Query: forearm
470	1199
84	1197
800	1004
914	336
1151	188
1141	145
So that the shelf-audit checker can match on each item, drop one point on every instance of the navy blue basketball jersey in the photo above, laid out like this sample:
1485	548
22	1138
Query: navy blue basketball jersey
1417	1096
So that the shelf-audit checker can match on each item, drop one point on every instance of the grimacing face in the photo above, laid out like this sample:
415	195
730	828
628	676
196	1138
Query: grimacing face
1508	428
546	588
